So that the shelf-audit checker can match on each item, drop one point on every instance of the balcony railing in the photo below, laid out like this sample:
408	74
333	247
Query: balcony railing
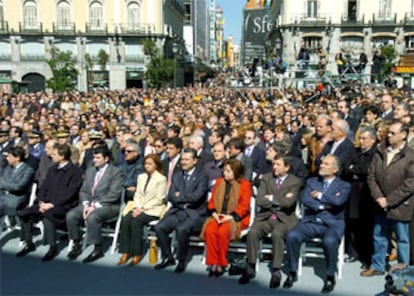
320	18
135	59
64	27
30	27
138	28
353	19
97	28
384	18
4	27
32	57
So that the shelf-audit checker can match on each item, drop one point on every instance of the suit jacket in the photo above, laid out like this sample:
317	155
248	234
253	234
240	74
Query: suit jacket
330	208
191	196
248	166
166	165
17	183
258	159
108	190
284	199
151	199
204	157
345	152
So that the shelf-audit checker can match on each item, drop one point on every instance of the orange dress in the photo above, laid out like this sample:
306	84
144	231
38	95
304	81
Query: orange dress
217	236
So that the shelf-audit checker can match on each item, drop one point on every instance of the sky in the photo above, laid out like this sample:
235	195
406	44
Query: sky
233	12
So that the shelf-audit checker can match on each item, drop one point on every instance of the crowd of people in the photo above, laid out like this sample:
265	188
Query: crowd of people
193	158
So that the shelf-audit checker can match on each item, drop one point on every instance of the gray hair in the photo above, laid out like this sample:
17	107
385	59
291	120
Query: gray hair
133	144
343	125
372	133
199	139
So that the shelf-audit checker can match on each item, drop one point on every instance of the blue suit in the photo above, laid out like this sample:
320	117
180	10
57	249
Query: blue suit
323	217
345	152
188	211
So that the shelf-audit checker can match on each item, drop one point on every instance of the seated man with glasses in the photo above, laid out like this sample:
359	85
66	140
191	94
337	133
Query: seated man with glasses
131	168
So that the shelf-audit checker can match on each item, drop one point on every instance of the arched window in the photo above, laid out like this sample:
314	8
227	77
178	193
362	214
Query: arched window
134	15
63	15
96	16
30	16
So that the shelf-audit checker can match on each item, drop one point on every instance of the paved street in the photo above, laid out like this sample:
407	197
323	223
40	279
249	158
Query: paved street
28	275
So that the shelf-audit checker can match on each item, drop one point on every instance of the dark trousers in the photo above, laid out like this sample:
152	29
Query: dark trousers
49	228
260	229
412	240
74	220
131	234
183	226
304	231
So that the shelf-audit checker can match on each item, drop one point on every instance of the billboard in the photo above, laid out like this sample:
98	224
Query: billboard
257	24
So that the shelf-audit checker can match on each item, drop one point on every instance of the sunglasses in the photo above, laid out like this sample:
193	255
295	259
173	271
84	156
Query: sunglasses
130	151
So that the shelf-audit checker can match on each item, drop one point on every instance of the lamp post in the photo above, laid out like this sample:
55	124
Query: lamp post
175	52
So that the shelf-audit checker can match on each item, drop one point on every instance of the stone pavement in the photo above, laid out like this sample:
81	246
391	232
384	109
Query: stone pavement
31	276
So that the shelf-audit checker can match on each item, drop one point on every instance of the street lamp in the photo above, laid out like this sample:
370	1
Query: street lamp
175	52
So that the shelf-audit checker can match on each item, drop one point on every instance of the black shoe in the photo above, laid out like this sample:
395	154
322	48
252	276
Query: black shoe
167	261
75	252
292	277
26	250
220	273
95	255
180	267
50	254
350	259
211	273
328	286
365	266
275	280
247	275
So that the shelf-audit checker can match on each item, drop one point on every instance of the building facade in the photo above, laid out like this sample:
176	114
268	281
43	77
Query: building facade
29	28
354	26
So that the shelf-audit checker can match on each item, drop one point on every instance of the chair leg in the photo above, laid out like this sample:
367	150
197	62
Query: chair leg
70	246
341	257
116	234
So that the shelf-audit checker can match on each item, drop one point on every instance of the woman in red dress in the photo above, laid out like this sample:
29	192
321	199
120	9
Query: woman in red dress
229	208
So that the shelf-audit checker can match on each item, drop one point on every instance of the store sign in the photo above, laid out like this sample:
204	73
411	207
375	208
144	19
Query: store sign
399	69
256	27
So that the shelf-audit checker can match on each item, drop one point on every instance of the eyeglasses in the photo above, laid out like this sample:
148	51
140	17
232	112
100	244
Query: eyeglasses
158	146
130	151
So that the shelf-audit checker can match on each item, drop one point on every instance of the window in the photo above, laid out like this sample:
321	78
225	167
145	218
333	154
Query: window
385	9
134	12
63	15
30	15
312	8
2	21
96	16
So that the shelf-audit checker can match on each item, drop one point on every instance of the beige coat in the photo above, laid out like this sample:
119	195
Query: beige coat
152	200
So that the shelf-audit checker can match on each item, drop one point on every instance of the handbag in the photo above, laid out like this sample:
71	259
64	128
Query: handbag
238	266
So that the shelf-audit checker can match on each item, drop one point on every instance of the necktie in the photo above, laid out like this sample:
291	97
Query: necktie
170	173
278	183
186	178
98	177
325	186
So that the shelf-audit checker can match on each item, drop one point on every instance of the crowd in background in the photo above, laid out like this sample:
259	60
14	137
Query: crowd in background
219	123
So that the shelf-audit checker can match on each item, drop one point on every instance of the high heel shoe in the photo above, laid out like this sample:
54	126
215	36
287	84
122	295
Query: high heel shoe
135	260
212	271
220	271
124	258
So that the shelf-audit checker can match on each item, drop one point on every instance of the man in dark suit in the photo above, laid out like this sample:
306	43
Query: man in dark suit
57	195
172	162
252	151
235	149
341	146
359	213
15	183
99	201
197	143
324	199
4	145
345	107
277	196
387	108
188	197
